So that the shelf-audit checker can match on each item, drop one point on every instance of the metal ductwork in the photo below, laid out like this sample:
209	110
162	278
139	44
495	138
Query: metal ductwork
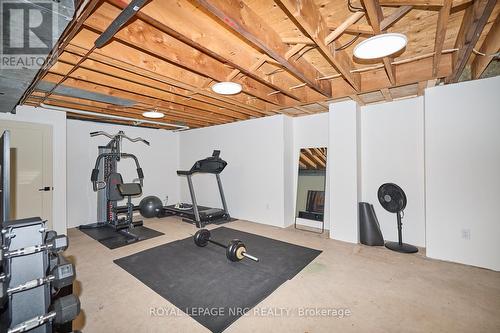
30	29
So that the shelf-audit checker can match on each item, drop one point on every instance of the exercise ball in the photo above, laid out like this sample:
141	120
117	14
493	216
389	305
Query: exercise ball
150	206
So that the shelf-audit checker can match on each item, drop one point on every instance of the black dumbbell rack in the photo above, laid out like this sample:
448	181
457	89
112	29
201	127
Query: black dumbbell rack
19	307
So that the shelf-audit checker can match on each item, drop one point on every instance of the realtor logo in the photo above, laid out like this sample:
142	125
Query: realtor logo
26	33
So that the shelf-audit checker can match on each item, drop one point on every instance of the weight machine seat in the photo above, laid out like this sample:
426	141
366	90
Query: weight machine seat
129	189
112	192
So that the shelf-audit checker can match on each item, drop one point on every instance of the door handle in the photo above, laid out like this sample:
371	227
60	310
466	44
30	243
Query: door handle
45	189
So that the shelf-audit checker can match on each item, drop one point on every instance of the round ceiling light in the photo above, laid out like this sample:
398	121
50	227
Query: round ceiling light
153	114
380	46
226	88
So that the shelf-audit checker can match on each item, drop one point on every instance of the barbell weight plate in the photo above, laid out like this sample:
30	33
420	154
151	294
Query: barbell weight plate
239	252
201	237
235	249
230	251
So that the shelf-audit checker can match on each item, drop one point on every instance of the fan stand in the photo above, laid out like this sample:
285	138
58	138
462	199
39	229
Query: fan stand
400	246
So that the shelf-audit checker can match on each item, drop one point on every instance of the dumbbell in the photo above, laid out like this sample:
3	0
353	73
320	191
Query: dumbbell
61	275
63	310
235	250
54	244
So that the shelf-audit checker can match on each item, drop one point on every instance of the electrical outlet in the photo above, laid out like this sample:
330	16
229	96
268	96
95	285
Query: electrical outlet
466	234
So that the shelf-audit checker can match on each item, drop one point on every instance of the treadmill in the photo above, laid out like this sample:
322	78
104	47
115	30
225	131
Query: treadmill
201	215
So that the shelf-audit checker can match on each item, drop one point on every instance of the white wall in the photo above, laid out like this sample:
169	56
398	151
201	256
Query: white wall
253	181
310	131
289	171
393	152
57	120
462	158
344	162
159	162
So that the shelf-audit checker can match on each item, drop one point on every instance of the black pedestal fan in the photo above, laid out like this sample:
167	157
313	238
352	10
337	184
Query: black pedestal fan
393	199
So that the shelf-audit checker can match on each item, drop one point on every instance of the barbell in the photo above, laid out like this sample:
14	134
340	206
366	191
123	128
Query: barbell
235	250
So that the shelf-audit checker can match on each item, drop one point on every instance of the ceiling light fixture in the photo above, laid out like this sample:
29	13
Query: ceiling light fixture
153	114
226	88
380	46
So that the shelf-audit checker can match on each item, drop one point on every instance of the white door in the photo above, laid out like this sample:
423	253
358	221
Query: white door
31	170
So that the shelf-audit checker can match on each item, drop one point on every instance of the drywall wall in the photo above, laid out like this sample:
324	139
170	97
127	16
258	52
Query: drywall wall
253	180
393	152
159	162
289	171
344	164
309	131
57	120
462	159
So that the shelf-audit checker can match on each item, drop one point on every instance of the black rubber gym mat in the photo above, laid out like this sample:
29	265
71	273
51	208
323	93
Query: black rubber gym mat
112	239
211	289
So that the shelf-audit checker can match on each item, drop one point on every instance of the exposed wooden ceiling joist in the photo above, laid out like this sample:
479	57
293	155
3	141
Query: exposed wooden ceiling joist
375	15
239	17
442	23
290	56
473	23
312	22
491	45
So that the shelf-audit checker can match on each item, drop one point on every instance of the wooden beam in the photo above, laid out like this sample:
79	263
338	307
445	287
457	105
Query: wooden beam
364	29
74	26
375	16
307	161
390	69
407	73
147	38
490	45
240	18
205	36
431	83
343	26
143	96
421	87
124	111
473	23
310	20
357	99
297	40
294	50
394	17
127	79
321	154
303	109
75	106
387	94
119	55
419	3
312	155
442	23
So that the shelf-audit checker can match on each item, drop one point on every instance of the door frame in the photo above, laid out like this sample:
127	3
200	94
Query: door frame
47	163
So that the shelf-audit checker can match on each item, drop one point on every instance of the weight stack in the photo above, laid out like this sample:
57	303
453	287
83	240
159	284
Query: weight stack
369	228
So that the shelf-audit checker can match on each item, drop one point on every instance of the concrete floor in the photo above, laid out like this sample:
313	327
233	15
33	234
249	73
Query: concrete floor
383	290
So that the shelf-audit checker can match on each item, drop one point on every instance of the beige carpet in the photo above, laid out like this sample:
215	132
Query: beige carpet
376	290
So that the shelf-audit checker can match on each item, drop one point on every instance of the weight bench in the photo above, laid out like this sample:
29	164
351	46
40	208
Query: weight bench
130	190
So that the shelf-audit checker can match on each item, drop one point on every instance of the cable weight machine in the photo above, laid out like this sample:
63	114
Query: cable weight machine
108	183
